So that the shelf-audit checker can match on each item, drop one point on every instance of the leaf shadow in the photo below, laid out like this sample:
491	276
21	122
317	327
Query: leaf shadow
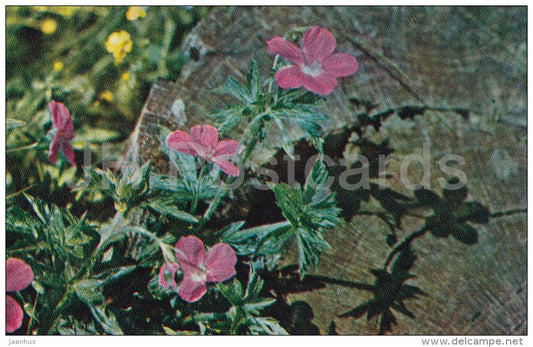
390	290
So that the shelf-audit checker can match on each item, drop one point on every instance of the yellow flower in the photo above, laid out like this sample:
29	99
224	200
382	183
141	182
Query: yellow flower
65	11
135	12
106	95
58	66
49	26
119	43
125	76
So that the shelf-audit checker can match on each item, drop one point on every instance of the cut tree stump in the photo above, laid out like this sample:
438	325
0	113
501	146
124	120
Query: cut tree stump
466	69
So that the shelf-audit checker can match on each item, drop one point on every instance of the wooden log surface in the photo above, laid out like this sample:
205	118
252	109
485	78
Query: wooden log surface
467	67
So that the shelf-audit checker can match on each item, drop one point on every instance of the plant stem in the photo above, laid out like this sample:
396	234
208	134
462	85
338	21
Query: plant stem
20	191
196	199
33	313
271	81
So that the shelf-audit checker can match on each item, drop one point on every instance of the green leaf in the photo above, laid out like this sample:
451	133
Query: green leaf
247	241
39	207
106	319
288	145
310	212
90	291
232	291
254	286
21	222
186	164
255	306
274	242
305	117
56	225
115	274
12	123
290	201
71	327
237	90
172	211
267	325
314	185
310	246
229	118
231	229
253	80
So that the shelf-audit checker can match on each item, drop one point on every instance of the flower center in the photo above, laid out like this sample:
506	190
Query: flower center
200	275
314	69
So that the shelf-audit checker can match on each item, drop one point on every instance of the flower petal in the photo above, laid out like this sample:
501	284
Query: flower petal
18	274
280	46
54	149
61	119
290	77
190	252
317	44
220	263
323	84
226	166
68	151
182	142
226	148
191	290
168	270
14	314
205	135
340	64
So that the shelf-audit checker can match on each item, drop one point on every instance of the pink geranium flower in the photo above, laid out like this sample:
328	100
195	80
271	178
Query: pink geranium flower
203	142
315	66
200	268
62	121
18	276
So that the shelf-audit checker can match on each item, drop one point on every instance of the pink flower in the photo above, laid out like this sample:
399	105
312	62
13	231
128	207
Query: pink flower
168	270
203	142
18	276
315	66
62	121
200	268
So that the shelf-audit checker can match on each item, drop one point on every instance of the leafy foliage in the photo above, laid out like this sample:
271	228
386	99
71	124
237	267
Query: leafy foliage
257	111
127	190
309	213
96	254
246	307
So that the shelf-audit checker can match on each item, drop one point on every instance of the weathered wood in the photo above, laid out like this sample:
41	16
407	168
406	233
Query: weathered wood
472	59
